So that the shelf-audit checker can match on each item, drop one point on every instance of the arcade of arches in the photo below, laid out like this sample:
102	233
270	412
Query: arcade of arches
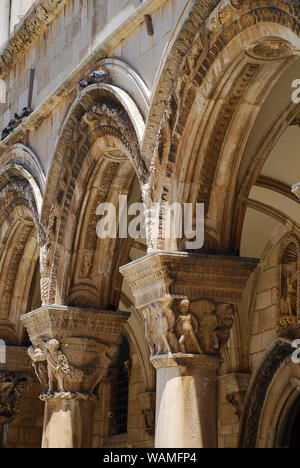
122	342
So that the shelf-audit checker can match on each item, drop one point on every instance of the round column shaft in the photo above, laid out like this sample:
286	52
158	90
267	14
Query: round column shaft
186	401
68	423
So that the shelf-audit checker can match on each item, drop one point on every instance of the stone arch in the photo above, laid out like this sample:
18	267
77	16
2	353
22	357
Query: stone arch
97	157
21	186
226	75
277	355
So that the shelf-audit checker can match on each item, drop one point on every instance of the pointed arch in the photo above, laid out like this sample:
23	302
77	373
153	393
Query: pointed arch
97	157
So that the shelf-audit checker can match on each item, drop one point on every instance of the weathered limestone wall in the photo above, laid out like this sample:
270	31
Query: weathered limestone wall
26	430
136	436
59	56
264	321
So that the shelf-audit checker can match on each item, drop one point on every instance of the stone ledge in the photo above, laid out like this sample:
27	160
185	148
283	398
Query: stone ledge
61	322
37	19
187	360
182	274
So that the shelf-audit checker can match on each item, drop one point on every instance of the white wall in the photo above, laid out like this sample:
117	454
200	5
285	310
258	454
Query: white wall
4	20
18	10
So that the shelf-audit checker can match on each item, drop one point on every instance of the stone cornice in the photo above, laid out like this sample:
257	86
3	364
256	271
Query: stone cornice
101	50
38	18
62	321
195	276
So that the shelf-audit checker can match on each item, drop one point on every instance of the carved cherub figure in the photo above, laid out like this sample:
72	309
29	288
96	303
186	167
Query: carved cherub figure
186	327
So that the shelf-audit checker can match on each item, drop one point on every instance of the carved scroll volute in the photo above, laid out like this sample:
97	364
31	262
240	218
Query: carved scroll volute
189	327
73	369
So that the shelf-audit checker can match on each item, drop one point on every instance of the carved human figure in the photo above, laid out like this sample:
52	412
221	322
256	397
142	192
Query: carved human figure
59	369
186	327
206	311
289	301
106	356
225	321
46	252
38	356
163	329
150	332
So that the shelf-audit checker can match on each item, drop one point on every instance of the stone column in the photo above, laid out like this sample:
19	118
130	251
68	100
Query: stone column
188	302
15	380
71	353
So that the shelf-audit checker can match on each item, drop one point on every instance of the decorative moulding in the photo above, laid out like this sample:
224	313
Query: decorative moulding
38	18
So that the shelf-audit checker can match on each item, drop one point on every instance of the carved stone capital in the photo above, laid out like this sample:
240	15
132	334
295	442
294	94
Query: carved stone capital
72	349
187	300
196	276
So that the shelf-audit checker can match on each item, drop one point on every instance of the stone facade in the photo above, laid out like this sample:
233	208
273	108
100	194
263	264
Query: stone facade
162	101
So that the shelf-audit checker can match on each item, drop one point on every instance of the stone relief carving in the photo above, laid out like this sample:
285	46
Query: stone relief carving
237	401
147	403
61	379
198	327
288	283
187	327
12	387
289	299
270	50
